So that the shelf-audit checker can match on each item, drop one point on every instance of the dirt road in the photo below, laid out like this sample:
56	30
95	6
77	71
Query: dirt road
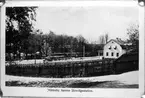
125	80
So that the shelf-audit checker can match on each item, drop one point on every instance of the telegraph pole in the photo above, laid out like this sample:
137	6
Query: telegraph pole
83	51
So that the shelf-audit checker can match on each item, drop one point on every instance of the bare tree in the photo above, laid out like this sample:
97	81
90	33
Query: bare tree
133	33
102	39
106	37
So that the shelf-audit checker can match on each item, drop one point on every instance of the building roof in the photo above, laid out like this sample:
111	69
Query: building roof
123	44
128	57
120	42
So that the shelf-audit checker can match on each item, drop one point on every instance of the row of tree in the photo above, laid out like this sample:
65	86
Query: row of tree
50	44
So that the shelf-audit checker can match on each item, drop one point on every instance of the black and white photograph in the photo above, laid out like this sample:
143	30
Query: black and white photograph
72	47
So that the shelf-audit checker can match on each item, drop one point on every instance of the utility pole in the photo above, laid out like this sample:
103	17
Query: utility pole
83	51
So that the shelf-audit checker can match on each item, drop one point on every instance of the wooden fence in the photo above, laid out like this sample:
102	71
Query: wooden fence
62	69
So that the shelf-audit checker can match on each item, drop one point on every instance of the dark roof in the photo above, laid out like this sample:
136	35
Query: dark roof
128	57
120	42
124	46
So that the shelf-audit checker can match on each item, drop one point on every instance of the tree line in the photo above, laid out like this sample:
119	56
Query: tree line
50	44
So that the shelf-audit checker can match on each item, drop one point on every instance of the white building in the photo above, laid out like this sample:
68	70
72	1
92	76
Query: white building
113	49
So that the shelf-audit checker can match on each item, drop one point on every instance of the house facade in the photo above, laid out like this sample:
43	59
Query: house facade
113	49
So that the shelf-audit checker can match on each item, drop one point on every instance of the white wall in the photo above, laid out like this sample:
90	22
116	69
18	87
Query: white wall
112	44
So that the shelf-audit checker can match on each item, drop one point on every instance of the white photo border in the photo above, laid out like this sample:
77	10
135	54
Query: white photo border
98	92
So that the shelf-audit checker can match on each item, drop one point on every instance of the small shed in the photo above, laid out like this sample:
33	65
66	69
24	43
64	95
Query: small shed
127	62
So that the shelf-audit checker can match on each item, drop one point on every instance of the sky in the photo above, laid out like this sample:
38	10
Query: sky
90	22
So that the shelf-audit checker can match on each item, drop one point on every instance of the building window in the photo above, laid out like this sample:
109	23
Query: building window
101	54
115	47
106	53
117	54
109	47
112	54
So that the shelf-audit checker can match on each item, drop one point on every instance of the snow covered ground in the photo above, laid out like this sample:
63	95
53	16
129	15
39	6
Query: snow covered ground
129	78
29	61
33	61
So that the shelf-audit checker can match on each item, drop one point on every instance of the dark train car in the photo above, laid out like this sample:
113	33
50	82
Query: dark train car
127	62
